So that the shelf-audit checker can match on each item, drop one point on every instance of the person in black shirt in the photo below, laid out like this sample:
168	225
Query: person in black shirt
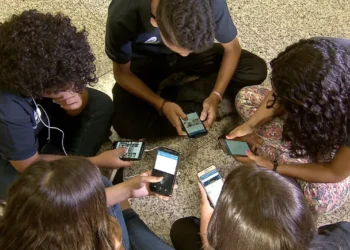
143	56
45	66
257	209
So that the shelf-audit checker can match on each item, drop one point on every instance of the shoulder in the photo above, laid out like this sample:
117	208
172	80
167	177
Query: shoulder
220	7
121	11
13	106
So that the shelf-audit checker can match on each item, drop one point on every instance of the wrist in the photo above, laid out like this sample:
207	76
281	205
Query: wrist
127	188
216	96
158	104
94	160
251	123
161	110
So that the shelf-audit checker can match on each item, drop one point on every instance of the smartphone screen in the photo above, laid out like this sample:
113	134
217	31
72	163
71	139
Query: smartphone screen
134	150
165	166
193	125
212	183
236	147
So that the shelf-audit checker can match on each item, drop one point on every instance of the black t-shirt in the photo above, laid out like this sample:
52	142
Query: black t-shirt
19	126
332	237
130	34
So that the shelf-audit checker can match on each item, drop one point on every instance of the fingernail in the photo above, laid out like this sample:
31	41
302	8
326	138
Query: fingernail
247	152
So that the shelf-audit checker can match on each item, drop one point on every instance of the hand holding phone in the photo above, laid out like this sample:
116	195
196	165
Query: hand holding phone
193	126
173	112
206	210
133	149
110	159
212	183
139	186
165	166
235	148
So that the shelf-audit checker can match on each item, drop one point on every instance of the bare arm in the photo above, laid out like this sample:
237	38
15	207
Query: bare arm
263	114
335	171
117	193
131	83
232	53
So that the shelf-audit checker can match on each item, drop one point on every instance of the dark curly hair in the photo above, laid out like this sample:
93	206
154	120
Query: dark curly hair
188	24
44	54
311	79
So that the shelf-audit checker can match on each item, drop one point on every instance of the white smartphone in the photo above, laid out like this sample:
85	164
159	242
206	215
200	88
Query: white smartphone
212	182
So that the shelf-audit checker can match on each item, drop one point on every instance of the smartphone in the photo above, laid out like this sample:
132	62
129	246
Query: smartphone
166	165
194	127
212	182
232	147
134	149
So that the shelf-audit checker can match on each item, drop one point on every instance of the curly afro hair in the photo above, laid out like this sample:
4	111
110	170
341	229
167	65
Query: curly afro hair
311	79
44	54
188	24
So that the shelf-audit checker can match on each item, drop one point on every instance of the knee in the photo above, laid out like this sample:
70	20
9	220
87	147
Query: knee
184	223
100	102
126	128
325	197
260	70
242	97
179	226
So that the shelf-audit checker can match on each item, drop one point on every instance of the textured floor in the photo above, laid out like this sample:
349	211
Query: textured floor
265	27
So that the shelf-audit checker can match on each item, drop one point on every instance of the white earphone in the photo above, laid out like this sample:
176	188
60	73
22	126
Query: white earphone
39	107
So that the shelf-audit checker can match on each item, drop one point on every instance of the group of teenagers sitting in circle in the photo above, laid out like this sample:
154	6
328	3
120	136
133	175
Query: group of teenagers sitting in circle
298	130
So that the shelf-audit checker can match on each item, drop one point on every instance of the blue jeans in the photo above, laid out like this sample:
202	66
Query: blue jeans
135	233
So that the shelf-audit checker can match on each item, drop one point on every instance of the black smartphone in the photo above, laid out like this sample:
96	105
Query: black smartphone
166	165
194	127
232	147
134	149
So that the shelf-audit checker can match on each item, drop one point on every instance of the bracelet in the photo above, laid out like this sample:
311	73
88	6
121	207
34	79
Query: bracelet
161	108
218	94
275	165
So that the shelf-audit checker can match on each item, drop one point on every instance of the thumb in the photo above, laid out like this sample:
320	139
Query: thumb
123	164
204	113
119	151
231	135
145	174
181	114
251	155
151	179
204	197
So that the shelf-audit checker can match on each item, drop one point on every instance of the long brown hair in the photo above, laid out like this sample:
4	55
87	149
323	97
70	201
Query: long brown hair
58	205
259	209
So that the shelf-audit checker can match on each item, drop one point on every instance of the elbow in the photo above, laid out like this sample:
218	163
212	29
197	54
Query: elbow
334	177
339	178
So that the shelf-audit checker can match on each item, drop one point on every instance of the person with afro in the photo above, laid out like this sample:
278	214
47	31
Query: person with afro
46	108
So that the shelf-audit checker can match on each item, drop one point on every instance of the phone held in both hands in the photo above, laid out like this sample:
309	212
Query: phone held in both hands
193	126
134	149
212	183
236	148
166	165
